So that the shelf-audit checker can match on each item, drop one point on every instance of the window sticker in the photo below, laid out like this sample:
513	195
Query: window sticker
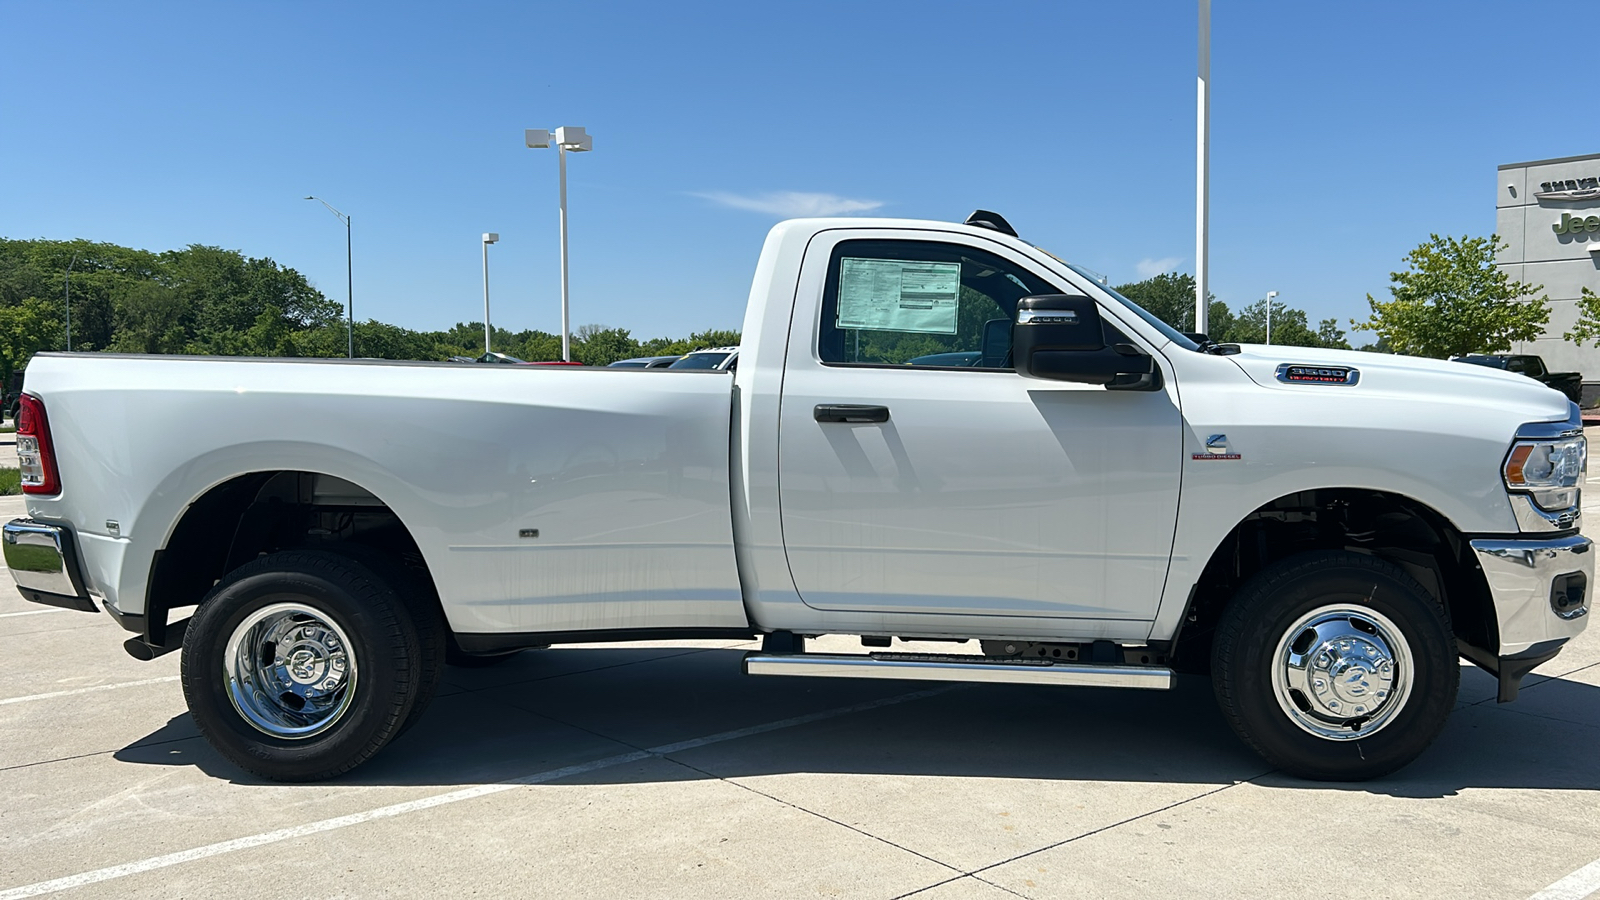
899	295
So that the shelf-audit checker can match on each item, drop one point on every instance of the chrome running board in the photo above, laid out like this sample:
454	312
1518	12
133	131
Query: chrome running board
957	667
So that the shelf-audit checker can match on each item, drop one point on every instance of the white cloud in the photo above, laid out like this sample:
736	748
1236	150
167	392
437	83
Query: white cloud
790	204
1150	268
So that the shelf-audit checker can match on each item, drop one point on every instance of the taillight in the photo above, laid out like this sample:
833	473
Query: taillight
36	457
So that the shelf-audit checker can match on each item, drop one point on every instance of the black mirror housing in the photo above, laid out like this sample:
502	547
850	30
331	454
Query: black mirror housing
1062	337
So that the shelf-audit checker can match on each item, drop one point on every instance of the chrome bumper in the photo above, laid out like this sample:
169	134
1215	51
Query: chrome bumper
43	560
1540	589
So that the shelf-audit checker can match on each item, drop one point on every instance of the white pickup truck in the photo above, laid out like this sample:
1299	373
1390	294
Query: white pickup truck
1086	497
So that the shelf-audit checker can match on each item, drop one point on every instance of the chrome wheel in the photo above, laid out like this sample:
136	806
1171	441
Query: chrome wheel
1342	672
291	671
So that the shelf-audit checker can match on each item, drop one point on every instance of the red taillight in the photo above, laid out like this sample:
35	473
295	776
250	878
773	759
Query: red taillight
36	456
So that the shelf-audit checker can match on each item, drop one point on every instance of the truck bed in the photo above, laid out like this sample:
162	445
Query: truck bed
622	476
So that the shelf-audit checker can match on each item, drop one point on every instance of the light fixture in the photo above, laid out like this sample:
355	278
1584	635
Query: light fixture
577	140
489	237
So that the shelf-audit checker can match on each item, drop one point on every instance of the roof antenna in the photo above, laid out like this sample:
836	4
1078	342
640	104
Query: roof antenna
992	221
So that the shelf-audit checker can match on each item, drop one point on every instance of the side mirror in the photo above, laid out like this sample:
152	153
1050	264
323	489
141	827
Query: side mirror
1061	337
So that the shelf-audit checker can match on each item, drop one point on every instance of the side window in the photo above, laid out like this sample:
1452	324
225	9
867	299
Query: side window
921	303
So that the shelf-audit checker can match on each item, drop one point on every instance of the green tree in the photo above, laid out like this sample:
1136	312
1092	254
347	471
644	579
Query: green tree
210	300
1331	335
150	318
1453	300
380	340
1169	297
25	329
1588	324
597	345
699	340
1289	326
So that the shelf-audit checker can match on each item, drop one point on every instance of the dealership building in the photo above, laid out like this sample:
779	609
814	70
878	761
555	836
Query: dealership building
1548	211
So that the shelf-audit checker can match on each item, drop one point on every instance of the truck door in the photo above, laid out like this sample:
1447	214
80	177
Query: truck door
919	474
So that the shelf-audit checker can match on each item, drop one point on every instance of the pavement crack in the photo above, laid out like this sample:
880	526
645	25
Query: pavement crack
715	777
822	816
134	746
1144	815
939	884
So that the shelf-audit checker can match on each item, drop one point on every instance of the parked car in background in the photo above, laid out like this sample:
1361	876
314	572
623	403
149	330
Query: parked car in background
11	397
508	359
1569	383
721	359
645	362
501	358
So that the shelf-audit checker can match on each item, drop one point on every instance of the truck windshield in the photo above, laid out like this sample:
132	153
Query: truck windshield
1172	334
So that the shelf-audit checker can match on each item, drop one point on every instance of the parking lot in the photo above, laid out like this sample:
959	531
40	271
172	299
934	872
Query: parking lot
660	771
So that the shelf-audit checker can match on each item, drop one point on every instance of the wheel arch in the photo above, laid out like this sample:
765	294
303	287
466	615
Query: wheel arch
250	514
1391	526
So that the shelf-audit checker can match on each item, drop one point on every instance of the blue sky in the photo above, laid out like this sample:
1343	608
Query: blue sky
1342	135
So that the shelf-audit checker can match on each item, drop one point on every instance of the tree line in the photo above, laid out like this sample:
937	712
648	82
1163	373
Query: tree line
1451	299
1170	297
210	301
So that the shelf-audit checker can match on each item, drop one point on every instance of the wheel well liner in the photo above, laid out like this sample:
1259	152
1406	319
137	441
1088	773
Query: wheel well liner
1391	526
262	512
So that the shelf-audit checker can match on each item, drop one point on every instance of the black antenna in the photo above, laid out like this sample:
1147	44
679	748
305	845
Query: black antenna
990	220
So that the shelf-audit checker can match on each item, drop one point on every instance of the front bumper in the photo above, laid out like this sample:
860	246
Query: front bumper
1540	590
43	560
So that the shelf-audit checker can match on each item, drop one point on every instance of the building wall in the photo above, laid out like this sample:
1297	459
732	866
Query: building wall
1563	264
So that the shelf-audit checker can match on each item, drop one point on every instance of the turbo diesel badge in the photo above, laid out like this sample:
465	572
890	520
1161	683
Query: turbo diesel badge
1290	373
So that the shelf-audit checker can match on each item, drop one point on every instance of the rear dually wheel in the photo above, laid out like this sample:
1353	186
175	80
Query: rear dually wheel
303	664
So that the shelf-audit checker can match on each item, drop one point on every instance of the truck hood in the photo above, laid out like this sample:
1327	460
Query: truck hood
1429	380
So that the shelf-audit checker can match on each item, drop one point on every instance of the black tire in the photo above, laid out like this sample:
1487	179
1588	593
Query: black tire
1244	662
415	587
369	709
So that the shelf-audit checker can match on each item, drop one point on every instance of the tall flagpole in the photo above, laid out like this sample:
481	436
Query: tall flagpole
1202	202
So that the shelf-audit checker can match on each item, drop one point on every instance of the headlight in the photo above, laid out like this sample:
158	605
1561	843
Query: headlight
1551	471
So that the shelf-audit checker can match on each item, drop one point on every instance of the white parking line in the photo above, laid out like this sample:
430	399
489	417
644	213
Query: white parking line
35	612
88	690
400	809
1580	884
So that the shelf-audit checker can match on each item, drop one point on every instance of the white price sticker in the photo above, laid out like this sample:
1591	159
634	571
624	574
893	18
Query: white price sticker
899	295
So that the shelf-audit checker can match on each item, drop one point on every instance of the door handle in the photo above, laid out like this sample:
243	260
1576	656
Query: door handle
850	412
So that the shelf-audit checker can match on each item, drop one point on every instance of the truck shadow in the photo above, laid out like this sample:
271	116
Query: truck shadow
548	710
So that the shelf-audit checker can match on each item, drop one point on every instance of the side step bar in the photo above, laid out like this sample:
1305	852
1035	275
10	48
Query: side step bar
956	667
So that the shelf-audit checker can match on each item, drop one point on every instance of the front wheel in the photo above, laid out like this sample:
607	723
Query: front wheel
1335	666
301	665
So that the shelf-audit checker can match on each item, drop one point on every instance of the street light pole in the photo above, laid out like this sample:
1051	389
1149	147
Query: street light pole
489	237
568	137
349	285
70	264
1202	238
566	326
1270	295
